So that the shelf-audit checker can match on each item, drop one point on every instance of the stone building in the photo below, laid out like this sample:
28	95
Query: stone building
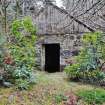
59	36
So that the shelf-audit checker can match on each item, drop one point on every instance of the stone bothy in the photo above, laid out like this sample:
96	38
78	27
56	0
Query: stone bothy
59	36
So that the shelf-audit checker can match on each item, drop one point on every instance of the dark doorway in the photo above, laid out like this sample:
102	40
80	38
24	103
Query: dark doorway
52	58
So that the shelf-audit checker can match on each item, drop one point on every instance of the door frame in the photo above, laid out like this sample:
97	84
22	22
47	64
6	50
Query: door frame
43	55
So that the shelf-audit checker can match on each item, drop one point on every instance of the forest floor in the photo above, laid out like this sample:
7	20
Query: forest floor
44	92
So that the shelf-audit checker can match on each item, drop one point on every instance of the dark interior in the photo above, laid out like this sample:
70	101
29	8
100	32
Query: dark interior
52	58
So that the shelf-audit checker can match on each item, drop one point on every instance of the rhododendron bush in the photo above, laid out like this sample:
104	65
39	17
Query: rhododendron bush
91	60
18	60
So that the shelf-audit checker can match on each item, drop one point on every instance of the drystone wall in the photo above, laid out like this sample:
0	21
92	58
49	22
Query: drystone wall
70	45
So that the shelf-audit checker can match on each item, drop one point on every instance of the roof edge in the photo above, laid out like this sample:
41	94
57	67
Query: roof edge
72	17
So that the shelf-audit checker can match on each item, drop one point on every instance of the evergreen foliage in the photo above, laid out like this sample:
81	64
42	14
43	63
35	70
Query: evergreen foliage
89	66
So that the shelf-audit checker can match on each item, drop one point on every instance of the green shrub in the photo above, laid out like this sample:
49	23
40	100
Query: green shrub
23	49
22	77
73	71
19	61
89	67
92	97
22	84
21	72
60	97
94	77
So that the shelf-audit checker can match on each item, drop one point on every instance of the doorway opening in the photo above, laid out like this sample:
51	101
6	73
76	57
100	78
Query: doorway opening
52	58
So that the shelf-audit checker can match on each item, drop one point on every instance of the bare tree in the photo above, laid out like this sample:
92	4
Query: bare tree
90	12
3	13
